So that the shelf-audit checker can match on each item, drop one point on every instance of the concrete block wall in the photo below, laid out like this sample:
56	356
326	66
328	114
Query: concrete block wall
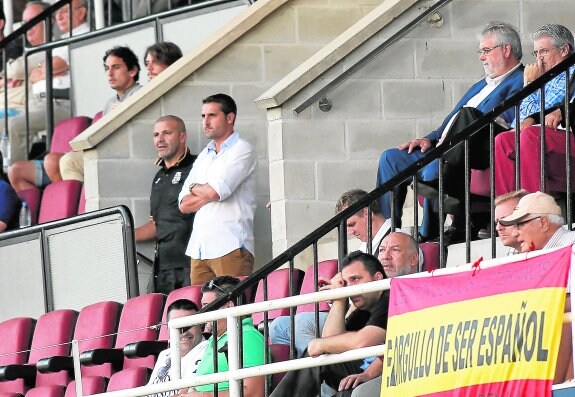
120	169
404	93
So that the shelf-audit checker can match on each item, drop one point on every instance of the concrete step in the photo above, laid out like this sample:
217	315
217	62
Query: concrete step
479	248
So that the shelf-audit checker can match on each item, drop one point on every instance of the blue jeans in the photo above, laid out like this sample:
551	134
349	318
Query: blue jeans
304	330
392	162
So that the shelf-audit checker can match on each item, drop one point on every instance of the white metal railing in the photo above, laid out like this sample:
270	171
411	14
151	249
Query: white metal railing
233	315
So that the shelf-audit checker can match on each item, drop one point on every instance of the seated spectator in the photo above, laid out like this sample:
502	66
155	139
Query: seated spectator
14	49
552	44
15	76
192	347
398	256
364	326
10	203
37	79
504	206
500	53
253	345
537	224
158	58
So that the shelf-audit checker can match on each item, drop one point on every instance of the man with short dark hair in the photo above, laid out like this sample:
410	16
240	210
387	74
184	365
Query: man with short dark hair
192	347
123	73
252	339
167	225
159	56
221	191
365	326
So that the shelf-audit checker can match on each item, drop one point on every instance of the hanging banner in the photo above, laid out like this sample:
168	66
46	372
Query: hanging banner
487	332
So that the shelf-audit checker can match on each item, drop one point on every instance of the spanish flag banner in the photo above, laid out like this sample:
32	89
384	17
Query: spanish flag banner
493	331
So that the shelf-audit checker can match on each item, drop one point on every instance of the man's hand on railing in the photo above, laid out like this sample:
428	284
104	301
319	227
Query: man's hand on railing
422	143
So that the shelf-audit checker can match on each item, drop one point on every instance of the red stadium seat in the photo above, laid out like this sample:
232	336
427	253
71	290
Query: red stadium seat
90	385
138	314
82	201
15	336
430	256
47	391
129	378
32	197
65	131
59	201
278	287
326	269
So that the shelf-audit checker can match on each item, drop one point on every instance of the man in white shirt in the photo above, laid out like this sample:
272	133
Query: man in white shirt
220	189
192	346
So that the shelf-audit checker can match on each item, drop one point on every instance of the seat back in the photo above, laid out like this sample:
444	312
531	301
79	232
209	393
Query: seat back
326	269
279	352
430	256
90	385
82	201
97	117
129	378
32	197
65	131
15	336
278	287
480	182
192	292
93	322
47	391
59	201
138	314
52	337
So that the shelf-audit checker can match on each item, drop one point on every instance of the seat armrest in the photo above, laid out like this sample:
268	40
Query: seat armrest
103	356
144	348
19	371
55	364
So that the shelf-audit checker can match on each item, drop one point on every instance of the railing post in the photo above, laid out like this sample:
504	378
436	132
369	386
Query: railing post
77	368
99	16
176	362
233	331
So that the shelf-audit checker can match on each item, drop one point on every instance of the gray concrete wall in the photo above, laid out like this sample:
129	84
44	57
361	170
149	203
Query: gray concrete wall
120	169
404	93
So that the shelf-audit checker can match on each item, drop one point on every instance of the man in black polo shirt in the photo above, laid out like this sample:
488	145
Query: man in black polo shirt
167	225
364	326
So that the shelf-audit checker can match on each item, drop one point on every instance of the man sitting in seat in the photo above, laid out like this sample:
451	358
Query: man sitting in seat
500	53
253	346
552	44
364	326
192	347
504	206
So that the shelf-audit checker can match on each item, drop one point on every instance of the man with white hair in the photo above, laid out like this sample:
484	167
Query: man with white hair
538	223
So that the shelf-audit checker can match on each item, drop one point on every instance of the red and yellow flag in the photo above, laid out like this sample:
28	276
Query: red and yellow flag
493	332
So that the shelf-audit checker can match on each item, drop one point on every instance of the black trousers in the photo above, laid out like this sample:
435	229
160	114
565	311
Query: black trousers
304	382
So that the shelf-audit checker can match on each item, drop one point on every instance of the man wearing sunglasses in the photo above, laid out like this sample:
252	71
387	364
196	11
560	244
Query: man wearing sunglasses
192	347
552	44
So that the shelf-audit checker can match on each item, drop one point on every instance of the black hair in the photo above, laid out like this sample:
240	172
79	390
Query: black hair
128	56
370	262
166	52
227	103
183	304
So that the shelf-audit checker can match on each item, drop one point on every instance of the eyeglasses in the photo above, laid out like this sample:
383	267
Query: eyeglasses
487	50
542	52
519	224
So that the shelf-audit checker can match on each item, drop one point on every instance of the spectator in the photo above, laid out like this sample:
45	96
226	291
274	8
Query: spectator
504	206
192	347
9	203
15	76
364	326
253	345
221	190
552	44
398	256
499	52
537	223
37	79
14	49
167	225
159	56
123	73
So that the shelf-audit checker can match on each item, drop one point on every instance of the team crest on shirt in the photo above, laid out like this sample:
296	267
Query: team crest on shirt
177	178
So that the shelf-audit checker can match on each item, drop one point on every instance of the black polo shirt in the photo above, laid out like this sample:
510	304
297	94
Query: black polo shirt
173	228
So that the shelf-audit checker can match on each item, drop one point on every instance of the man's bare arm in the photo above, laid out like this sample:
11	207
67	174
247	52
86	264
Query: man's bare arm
146	232
367	336
199	196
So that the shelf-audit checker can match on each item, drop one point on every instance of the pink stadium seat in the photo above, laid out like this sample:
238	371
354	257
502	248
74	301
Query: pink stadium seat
480	182
90	385
32	197
129	378
47	391
279	352
97	117
326	269
59	201
65	131
15	336
52	336
278	287
430	256
138	314
82	201
93	322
